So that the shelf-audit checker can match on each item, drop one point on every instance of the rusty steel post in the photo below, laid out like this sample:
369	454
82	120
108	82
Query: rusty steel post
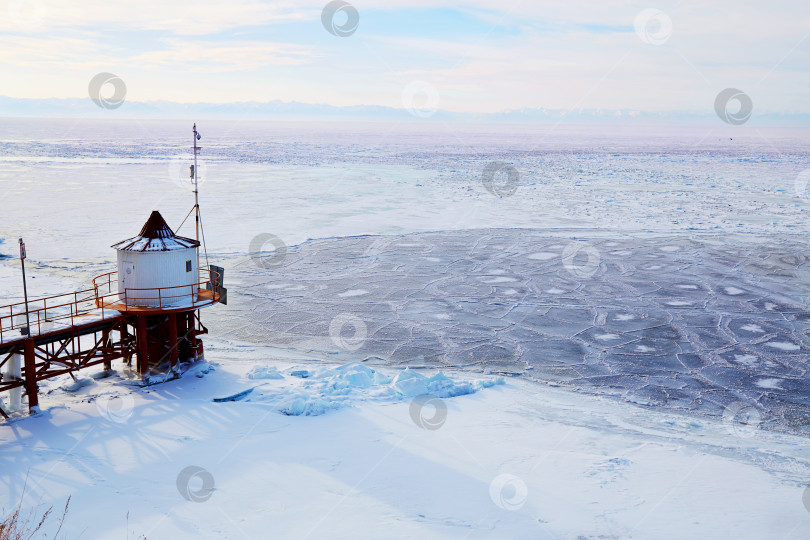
124	334
192	334
173	344
143	351
105	339
31	377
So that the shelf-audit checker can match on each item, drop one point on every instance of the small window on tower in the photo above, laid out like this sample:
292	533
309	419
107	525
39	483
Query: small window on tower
188	266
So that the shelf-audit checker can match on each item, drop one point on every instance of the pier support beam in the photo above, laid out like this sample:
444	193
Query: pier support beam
31	377
13	372
173	344
143	349
106	340
124	332
192	334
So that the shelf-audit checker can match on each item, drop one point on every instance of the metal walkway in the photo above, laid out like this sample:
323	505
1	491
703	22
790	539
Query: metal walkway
73	331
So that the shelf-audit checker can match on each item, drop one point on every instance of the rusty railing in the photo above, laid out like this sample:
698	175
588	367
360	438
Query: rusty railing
102	301
190	295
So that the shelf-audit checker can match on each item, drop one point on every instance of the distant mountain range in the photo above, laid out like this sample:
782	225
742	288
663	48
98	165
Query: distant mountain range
84	107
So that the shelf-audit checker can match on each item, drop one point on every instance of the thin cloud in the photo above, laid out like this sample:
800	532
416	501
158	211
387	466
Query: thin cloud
481	57
219	56
200	17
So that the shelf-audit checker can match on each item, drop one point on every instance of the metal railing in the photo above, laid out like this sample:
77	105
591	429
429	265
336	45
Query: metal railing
102	301
46	314
187	295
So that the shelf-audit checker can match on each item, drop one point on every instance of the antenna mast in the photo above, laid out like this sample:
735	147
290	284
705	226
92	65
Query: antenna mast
196	196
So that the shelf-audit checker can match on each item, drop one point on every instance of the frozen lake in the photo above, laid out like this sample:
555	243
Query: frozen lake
684	284
99	180
700	324
659	280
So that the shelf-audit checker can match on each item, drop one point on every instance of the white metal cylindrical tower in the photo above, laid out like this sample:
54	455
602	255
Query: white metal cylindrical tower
157	268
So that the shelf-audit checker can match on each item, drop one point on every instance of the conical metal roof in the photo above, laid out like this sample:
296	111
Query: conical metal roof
156	235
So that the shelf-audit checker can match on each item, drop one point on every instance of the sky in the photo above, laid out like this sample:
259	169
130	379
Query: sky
472	56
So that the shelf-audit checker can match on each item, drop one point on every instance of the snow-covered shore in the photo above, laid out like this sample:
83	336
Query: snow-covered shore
508	461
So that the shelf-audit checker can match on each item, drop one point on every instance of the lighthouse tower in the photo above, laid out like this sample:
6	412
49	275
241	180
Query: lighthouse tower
161	290
157	261
149	309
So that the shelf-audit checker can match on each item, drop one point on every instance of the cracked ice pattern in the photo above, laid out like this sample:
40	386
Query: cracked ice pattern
687	324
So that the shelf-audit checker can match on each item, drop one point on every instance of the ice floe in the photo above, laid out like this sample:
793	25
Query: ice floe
342	386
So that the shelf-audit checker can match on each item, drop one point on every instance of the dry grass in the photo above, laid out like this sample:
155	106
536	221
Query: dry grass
24	526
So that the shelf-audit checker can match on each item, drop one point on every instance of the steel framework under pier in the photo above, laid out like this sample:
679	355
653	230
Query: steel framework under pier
92	328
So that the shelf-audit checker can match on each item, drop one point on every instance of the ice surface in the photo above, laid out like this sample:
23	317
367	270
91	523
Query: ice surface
700	328
300	181
346	385
670	318
265	372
